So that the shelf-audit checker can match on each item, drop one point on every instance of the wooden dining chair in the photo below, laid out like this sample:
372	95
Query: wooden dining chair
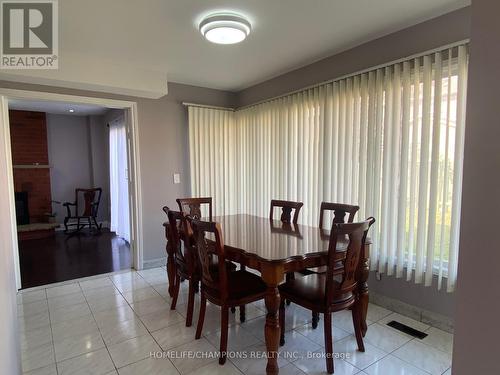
286	210
192	206
339	212
286	218
184	258
220	287
330	292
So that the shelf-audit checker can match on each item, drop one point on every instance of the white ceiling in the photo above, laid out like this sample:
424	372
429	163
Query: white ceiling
139	44
59	108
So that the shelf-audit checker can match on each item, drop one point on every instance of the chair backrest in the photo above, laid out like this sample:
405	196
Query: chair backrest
354	234
286	210
87	201
339	212
175	219
207	251
192	206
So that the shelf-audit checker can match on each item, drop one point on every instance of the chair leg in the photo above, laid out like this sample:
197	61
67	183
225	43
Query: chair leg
201	316
282	322
233	309
315	319
224	323
190	306
328	342
177	285
242	314
90	225
358	330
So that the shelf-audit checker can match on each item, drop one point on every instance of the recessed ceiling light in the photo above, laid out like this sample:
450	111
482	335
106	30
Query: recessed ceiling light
225	28
71	110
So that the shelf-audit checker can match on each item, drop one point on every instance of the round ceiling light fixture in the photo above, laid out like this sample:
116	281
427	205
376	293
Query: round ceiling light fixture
225	28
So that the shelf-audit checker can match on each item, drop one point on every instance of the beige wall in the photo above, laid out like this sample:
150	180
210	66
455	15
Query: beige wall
163	149
477	332
78	157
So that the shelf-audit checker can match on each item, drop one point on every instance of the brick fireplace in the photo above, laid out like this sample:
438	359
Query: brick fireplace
30	159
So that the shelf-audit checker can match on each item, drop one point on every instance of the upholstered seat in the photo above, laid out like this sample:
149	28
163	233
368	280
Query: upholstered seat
241	284
311	290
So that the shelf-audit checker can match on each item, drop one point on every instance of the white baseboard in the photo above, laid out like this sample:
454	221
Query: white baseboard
153	263
442	322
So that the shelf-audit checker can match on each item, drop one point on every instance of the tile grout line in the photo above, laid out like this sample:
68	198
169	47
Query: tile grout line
51	332
391	352
138	317
165	298
97	325
81	354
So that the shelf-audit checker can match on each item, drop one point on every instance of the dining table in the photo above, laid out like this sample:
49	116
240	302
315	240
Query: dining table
275	249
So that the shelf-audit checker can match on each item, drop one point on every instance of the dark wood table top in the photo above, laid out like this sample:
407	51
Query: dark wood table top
272	240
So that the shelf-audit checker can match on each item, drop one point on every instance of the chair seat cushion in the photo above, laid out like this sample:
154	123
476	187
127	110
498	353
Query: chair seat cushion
241	284
311	289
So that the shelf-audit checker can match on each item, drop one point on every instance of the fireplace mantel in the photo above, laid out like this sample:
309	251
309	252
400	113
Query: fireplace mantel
31	166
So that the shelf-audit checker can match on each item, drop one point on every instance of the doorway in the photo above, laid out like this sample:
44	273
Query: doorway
85	251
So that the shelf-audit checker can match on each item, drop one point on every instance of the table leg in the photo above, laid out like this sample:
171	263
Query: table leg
170	264
272	329
272	277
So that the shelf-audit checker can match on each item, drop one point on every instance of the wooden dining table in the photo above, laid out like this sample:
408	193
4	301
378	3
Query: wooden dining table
274	249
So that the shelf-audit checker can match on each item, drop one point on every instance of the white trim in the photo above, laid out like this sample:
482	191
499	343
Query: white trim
136	245
136	191
154	263
188	104
4	111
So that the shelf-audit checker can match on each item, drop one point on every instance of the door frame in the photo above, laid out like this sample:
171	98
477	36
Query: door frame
135	191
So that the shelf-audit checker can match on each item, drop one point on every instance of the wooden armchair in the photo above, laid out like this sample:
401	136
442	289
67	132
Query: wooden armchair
85	208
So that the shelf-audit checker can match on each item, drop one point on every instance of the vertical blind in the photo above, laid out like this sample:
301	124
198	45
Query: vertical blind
390	140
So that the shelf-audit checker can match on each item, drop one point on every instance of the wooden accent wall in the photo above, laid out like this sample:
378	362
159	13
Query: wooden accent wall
28	133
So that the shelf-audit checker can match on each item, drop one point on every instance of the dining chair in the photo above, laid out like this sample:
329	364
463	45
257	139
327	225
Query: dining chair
286	210
339	212
330	292
185	261
192	206
286	218
220	287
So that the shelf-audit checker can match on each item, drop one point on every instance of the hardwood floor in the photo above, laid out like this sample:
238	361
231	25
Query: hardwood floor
64	257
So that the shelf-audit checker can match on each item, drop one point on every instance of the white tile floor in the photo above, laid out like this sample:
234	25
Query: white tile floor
112	324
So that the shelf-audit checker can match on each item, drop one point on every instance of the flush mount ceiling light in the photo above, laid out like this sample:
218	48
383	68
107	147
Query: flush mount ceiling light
225	28
71	110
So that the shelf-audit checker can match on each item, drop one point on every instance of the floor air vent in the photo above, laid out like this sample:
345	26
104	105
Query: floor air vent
406	329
